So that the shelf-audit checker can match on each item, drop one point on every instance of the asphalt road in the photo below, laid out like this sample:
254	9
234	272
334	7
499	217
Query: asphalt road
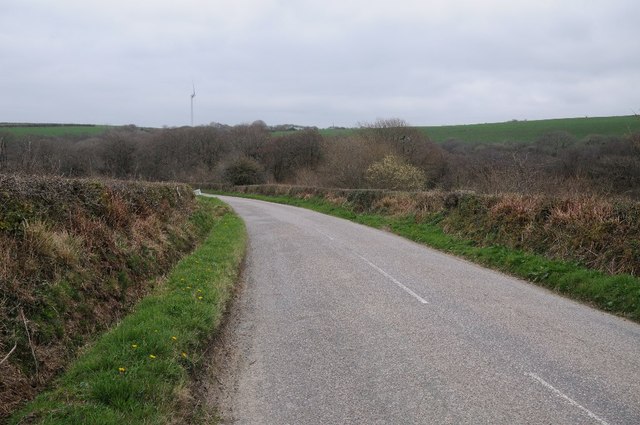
343	324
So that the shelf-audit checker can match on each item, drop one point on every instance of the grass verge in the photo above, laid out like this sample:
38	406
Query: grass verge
138	372
618	294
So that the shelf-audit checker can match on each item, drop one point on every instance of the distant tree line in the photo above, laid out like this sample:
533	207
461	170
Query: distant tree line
384	154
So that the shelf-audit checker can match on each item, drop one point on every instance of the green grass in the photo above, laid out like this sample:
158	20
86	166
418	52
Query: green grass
619	294
511	131
523	131
136	373
56	130
529	131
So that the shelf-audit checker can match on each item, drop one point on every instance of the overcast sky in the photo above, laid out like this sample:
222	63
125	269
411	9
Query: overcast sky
317	62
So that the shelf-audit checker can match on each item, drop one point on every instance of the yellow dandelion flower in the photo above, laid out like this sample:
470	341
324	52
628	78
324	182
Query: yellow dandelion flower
174	338
122	370
151	356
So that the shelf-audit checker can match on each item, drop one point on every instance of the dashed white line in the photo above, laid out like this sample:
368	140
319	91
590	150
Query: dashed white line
387	275
394	280
567	398
324	234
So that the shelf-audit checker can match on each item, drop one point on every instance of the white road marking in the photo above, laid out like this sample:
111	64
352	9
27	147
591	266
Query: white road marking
387	275
564	396
325	235
394	280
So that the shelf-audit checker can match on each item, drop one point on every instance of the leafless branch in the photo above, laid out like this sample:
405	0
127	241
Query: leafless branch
26	327
10	352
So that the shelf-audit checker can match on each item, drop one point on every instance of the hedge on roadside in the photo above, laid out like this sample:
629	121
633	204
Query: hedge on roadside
75	256
600	233
139	372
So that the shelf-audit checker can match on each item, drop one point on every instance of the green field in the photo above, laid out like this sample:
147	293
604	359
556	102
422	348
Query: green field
524	131
54	130
529	131
511	131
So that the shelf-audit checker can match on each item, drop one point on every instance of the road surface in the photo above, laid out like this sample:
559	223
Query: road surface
343	324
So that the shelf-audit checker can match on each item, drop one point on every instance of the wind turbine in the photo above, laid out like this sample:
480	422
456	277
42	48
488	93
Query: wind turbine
192	96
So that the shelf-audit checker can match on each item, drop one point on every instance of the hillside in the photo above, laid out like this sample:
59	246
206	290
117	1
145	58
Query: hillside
583	155
530	131
510	131
23	129
523	131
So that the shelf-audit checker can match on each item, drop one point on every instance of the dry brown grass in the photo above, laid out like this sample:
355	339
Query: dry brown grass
396	205
601	233
335	199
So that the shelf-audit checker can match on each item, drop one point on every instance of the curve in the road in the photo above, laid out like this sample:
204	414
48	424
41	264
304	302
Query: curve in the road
344	324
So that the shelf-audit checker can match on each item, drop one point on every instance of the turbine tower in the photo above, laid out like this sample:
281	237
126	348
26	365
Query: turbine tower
192	96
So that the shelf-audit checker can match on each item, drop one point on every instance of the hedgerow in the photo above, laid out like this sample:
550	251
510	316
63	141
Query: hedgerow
600	233
75	256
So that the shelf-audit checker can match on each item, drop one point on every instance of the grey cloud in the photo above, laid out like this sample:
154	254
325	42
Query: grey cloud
318	63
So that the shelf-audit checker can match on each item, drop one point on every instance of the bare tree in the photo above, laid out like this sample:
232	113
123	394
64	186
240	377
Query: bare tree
285	155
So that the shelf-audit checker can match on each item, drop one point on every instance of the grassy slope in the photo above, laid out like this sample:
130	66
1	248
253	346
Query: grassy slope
524	131
75	256
619	294
138	371
62	130
528	131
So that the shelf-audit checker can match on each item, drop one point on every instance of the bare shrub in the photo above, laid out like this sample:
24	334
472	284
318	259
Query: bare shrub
396	205
307	177
284	156
249	140
396	137
429	203
244	171
346	161
335	198
554	142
